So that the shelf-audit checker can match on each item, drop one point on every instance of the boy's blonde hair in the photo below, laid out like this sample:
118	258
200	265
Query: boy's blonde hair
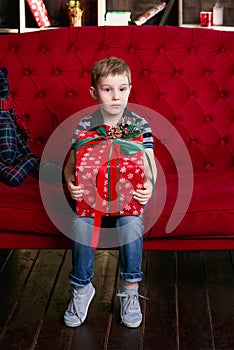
109	66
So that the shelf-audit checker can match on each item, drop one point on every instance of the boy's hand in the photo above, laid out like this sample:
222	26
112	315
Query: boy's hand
69	171
143	196
75	191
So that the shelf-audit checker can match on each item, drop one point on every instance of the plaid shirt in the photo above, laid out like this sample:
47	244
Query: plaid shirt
16	158
4	86
91	122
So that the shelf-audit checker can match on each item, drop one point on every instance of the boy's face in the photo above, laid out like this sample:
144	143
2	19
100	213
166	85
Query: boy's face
112	94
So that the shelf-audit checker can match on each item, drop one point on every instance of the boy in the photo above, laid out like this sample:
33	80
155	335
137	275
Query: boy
111	86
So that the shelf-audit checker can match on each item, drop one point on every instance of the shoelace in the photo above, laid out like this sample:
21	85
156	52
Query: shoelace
75	302
132	302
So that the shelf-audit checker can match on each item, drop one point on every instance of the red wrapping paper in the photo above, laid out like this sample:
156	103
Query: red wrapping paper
108	177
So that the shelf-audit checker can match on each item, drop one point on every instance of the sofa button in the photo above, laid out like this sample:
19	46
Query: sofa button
13	93
43	49
208	166
27	116
56	72
41	93
223	142
26	72
208	118
54	117
13	49
222	94
177	73
131	49
192	49
193	142
71	93
39	142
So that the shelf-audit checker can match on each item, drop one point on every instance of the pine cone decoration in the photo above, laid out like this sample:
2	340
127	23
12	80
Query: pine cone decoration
115	132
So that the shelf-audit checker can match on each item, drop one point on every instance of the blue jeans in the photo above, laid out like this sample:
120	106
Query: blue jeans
129	230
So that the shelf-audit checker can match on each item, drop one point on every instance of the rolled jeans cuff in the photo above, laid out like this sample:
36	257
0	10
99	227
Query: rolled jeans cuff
79	282
131	277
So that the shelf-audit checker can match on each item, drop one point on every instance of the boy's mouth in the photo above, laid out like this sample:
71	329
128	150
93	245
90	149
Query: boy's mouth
114	105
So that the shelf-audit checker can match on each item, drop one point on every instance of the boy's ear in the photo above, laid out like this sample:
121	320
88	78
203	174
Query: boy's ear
93	92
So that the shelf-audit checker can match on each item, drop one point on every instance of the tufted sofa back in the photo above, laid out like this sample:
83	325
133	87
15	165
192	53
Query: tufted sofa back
186	75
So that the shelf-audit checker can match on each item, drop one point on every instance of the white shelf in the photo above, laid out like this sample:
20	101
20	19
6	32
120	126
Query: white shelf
225	28
181	24
8	30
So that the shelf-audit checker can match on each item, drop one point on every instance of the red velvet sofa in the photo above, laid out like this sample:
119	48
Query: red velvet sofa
183	82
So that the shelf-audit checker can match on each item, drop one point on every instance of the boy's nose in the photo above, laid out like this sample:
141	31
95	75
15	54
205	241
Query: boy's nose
115	96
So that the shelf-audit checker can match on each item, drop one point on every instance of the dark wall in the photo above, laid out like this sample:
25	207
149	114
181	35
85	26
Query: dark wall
9	14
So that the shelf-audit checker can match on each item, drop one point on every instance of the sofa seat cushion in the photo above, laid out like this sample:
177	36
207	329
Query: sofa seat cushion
22	209
209	214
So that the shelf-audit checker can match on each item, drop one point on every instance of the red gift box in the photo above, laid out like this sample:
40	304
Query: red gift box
108	170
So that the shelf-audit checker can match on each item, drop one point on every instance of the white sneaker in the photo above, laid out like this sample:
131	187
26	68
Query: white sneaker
130	311
78	307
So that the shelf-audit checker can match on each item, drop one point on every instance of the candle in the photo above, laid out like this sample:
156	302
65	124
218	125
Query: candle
206	18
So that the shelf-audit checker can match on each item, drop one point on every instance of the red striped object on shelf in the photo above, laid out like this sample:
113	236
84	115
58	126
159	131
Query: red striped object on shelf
40	13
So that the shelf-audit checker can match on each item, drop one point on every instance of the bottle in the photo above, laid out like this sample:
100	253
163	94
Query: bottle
218	14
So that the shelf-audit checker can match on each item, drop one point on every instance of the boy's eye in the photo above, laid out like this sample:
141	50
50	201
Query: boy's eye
108	89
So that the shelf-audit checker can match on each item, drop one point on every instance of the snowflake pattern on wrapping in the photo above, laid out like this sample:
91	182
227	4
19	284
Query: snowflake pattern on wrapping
94	178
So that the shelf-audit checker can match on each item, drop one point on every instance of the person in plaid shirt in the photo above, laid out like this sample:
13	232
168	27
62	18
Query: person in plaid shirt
16	159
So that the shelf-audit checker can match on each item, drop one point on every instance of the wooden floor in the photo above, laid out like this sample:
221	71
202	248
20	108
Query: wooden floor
190	306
